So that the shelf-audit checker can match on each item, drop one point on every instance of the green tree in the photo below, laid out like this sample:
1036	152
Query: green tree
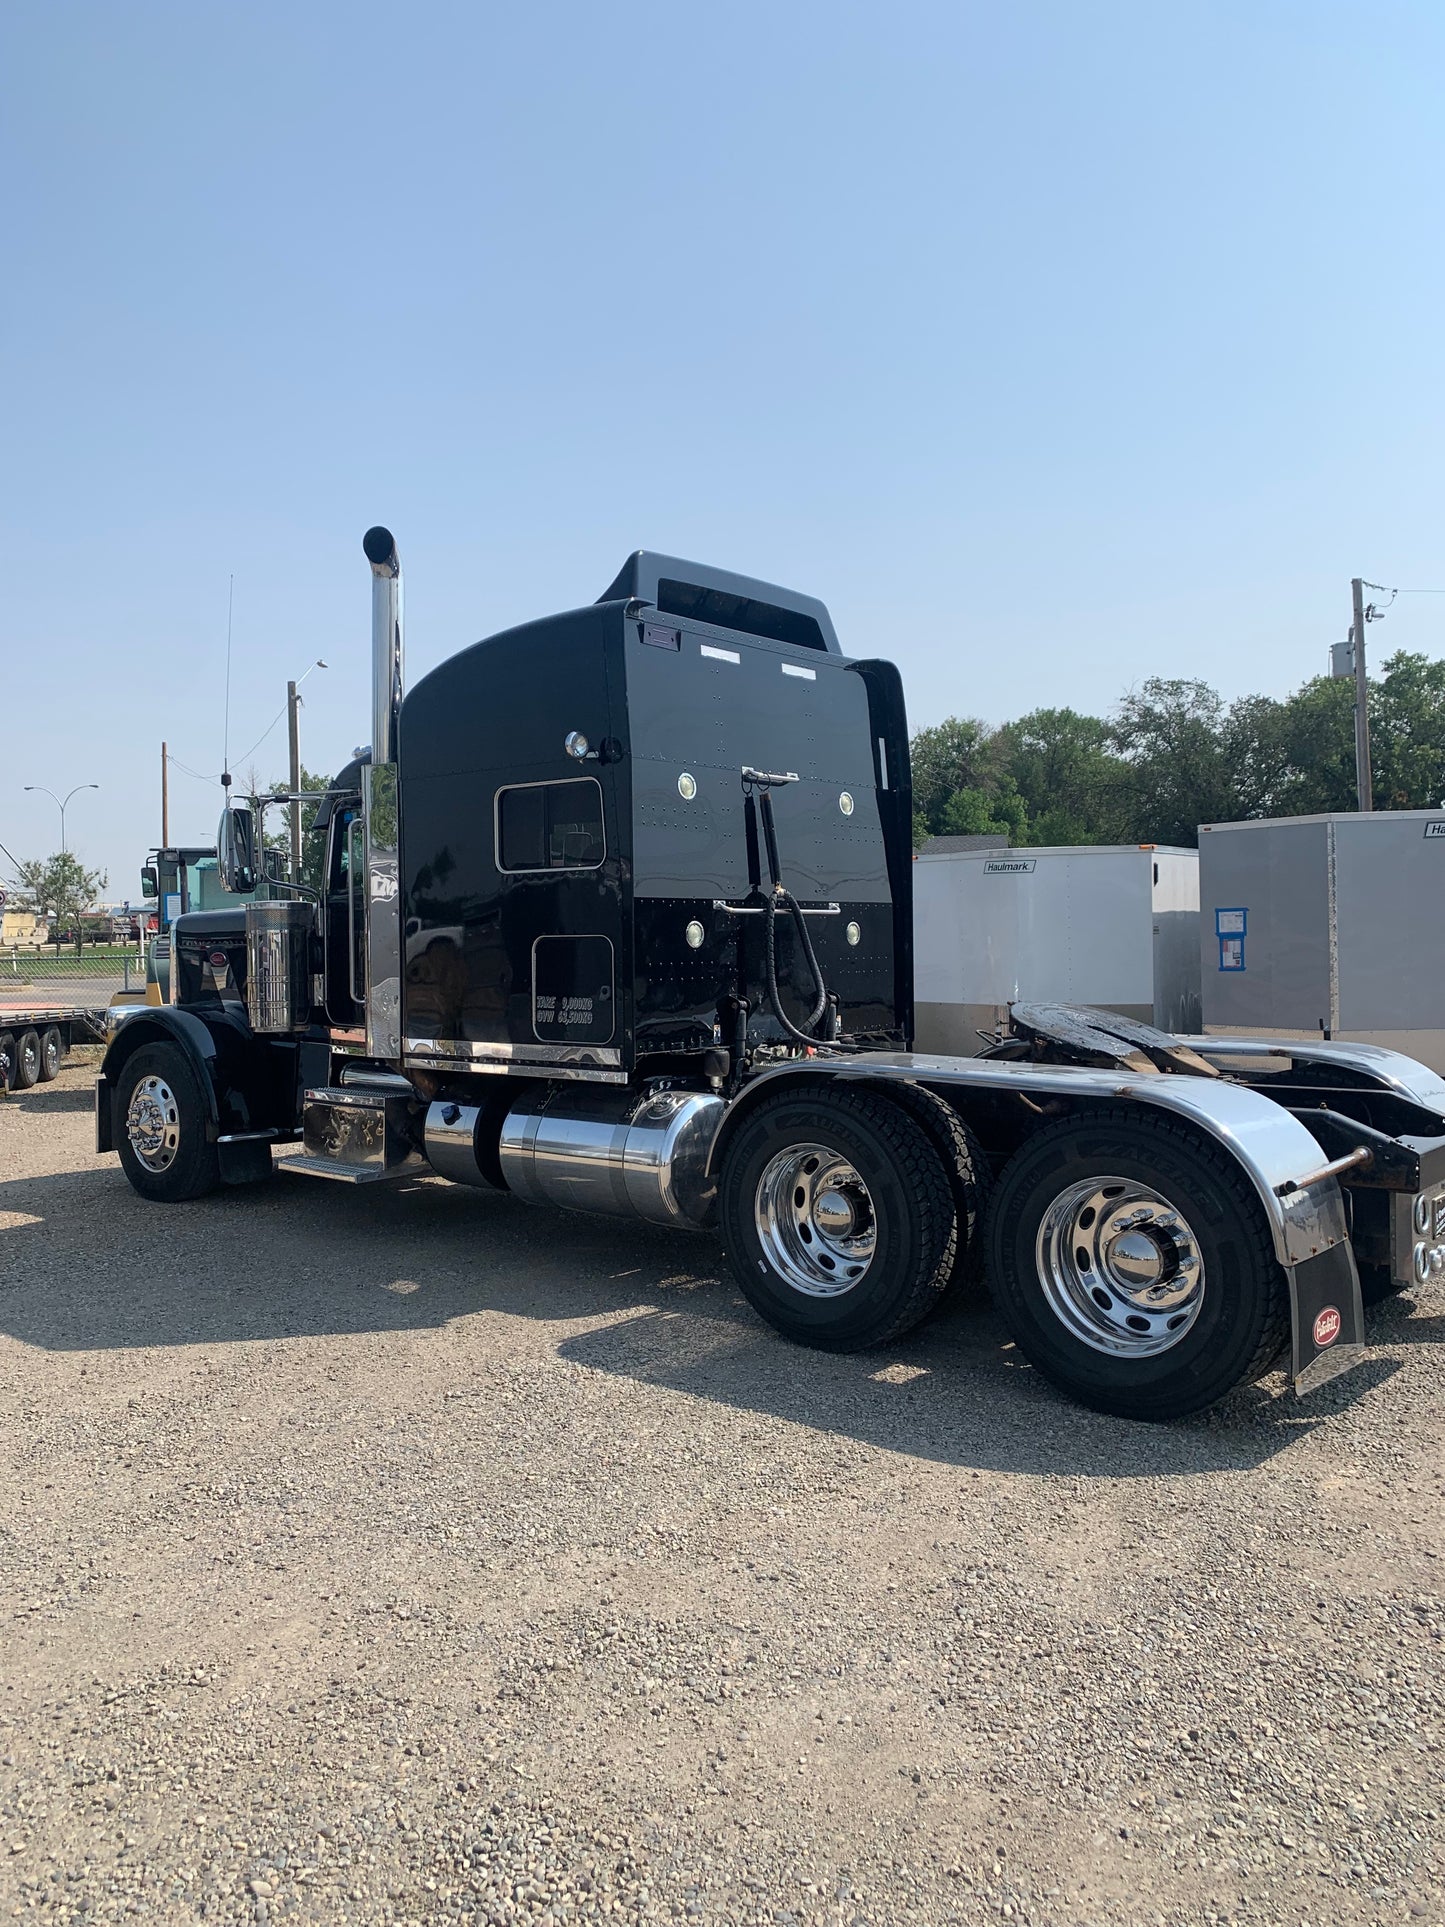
313	844
59	888
1170	733
1172	757
1295	757
1407	733
1068	777
948	757
974	812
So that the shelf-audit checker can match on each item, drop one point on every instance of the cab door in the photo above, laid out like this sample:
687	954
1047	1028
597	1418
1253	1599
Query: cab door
343	917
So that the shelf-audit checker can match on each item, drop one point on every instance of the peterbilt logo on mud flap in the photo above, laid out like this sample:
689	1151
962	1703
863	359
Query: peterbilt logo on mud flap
1327	1326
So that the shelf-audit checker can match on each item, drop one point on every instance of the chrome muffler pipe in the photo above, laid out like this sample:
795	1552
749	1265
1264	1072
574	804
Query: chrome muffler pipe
386	641
382	989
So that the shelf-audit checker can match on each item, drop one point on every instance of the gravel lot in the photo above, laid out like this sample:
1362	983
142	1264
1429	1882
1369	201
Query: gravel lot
414	1555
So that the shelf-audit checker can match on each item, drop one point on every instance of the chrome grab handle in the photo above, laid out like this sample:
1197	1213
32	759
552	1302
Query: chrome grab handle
351	877
760	909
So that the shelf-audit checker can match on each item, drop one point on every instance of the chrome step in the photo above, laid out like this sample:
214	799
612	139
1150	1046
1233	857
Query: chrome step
349	1173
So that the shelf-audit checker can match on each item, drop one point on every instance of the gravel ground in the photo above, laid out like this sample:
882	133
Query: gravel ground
412	1555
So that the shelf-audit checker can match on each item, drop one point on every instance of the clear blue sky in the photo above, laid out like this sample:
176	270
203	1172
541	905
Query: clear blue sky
1053	346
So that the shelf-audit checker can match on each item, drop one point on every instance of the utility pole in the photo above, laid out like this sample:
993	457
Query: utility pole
292	706
1364	781
165	798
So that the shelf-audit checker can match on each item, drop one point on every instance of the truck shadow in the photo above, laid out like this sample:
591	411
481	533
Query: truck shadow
299	1258
51	1099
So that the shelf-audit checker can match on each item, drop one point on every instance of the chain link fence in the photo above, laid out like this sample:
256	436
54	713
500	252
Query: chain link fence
123	964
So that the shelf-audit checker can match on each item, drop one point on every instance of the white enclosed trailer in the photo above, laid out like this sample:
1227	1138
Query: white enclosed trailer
1114	926
1327	926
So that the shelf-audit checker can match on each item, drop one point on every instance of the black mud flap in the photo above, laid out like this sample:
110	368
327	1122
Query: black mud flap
244	1159
1329	1318
103	1116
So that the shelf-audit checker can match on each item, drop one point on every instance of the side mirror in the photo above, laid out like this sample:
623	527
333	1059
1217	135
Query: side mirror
236	850
149	884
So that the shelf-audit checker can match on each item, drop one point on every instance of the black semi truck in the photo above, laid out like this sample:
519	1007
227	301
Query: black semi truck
617	915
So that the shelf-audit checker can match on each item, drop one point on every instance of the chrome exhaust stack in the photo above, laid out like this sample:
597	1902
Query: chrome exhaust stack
379	802
387	665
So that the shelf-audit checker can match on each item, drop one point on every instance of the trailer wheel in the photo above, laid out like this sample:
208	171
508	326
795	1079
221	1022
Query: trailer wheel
7	1060
27	1061
52	1049
1133	1266
837	1218
160	1127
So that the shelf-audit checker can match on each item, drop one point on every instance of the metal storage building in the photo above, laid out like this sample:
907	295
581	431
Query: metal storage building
1112	925
1327	926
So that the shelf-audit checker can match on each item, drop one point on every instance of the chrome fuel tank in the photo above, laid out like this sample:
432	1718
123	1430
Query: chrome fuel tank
615	1152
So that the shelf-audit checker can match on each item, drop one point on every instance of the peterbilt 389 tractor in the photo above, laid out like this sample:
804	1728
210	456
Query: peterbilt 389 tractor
616	915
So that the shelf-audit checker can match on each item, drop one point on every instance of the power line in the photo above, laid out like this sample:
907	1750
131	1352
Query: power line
186	769
265	732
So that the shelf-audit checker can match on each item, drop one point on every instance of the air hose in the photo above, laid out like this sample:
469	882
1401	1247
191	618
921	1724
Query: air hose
783	898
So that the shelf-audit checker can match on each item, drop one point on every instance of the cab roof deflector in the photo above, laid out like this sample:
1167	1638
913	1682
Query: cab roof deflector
740	602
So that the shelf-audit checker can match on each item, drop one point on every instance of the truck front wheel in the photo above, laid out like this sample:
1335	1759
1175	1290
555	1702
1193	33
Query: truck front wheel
838	1218
1133	1266
160	1127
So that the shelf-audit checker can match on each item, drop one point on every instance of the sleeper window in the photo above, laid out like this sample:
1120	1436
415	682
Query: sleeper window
550	826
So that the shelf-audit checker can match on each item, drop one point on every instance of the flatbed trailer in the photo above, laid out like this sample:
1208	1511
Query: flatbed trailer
616	914
35	1039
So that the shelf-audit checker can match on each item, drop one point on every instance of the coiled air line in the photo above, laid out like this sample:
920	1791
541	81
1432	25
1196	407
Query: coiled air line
762	782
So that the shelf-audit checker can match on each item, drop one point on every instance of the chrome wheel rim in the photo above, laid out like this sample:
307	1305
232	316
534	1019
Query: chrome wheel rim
1120	1267
30	1061
153	1123
815	1220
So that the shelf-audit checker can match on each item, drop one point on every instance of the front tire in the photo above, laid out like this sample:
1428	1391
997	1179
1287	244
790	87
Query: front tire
837	1218
159	1127
1133	1266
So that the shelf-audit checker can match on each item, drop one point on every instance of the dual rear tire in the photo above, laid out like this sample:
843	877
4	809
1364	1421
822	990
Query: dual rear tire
1133	1266
1129	1259
839	1218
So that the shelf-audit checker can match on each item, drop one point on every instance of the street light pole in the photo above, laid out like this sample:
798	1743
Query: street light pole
62	805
